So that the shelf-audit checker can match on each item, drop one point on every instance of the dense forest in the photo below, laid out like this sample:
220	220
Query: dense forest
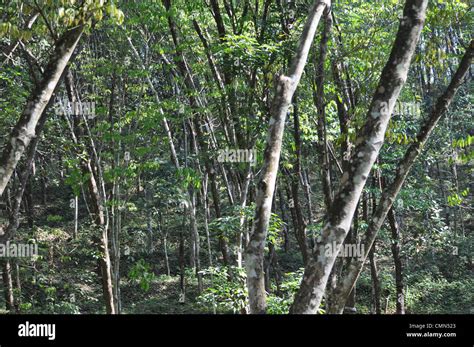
236	156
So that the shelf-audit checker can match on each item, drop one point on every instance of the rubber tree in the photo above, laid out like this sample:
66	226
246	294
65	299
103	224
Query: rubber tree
367	146
24	130
285	89
391	191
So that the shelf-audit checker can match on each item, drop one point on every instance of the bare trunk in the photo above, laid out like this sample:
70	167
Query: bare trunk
320	105
403	168
397	262
368	144
24	130
374	274
8	285
286	87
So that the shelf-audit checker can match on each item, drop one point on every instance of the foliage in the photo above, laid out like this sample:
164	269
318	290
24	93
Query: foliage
142	273
228	294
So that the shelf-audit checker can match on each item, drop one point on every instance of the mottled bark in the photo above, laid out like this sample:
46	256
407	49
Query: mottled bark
403	168
368	144
286	87
24	130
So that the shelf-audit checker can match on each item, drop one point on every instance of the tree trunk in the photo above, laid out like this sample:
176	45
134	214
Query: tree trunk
24	130
321	108
284	93
390	193
368	144
8	285
97	202
397	262
374	274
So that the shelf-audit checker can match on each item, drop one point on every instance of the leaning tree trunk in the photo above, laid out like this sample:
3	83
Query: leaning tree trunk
368	144
254	254
390	193
24	130
97	203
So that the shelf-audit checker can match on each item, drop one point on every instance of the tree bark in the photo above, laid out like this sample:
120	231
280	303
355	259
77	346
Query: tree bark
403	168
374	274
24	130
368	144
8	285
254	255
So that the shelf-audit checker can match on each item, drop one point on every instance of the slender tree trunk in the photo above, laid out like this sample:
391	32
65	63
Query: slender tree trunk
374	274
97	202
76	217
284	218
8	285
294	178
161	226
286	87
243	233
182	264
196	243
321	108
17	288
395	231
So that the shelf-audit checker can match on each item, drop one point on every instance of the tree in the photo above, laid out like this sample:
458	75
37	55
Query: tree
285	90
367	147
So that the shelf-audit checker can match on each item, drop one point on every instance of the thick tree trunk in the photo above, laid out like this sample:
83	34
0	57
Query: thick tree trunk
368	144
390	193
286	87
24	130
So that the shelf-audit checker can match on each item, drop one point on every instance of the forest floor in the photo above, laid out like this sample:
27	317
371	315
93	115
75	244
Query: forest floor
162	298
